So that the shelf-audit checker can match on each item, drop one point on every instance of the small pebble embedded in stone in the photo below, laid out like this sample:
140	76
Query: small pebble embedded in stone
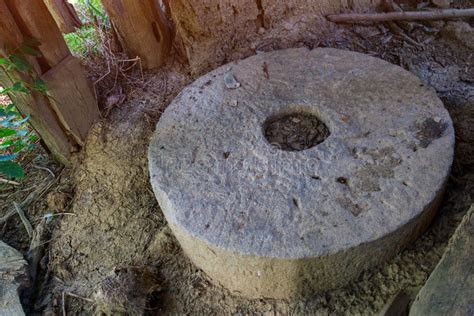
230	81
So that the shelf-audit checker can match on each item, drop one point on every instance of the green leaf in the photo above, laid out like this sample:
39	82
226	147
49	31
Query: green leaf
31	42
5	91
11	169
18	123
7	157
12	111
31	51
7	121
20	63
4	145
95	7
10	107
40	85
9	111
19	146
33	138
20	87
4	132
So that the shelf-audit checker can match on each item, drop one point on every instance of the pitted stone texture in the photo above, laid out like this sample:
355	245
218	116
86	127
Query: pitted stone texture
266	222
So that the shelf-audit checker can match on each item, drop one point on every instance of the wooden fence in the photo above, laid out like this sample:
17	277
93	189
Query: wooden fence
64	117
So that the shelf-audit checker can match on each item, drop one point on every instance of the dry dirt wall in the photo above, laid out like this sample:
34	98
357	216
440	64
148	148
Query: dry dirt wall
214	32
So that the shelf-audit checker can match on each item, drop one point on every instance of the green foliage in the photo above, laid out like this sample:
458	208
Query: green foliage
15	135
95	9
15	138
86	40
11	169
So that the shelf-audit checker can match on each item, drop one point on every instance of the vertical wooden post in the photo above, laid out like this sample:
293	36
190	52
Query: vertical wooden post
64	118
64	14
142	28
34	20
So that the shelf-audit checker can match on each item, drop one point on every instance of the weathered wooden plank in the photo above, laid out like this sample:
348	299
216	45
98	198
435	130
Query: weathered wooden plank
43	119
450	288
10	35
142	28
72	97
64	119
64	14
34	20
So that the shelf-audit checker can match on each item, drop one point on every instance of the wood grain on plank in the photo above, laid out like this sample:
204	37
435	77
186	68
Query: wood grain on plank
64	14
450	288
34	20
142	29
72	97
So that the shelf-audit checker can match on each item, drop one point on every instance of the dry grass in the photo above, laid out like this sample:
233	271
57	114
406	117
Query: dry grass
113	74
43	176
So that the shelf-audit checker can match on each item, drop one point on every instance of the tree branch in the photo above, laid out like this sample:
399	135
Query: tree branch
401	16
9	181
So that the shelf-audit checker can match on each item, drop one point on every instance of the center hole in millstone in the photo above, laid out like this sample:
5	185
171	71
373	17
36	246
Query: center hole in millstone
295	131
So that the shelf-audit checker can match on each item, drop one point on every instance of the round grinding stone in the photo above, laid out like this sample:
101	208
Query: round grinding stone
293	171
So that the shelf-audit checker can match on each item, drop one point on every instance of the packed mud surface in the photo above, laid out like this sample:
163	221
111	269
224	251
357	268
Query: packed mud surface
116	253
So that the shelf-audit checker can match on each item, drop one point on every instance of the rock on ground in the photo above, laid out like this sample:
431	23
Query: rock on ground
12	273
265	222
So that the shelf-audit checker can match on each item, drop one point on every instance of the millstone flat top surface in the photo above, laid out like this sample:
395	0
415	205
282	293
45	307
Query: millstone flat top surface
216	177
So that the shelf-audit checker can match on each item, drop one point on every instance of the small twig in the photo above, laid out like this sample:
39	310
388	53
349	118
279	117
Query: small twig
29	199
135	60
115	79
57	214
391	6
63	299
401	16
103	76
47	241
80	297
9	181
26	223
45	169
398	31
141	69
35	252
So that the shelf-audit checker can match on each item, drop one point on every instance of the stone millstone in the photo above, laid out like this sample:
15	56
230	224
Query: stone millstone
268	221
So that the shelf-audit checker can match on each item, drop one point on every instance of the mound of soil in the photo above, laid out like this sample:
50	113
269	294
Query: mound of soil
117	216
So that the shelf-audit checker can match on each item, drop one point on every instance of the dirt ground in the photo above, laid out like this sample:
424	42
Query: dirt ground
113	251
